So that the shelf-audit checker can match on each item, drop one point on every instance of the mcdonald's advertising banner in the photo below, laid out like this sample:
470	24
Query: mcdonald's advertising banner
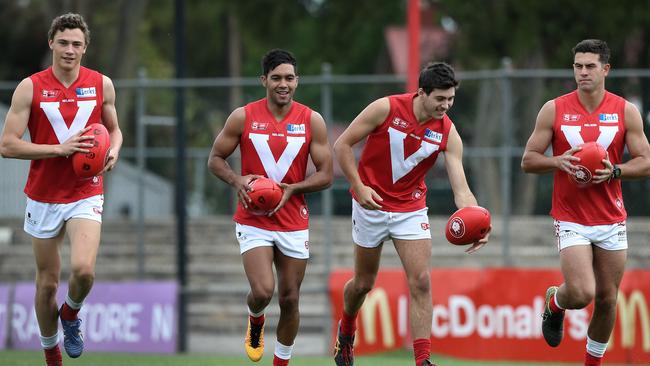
494	314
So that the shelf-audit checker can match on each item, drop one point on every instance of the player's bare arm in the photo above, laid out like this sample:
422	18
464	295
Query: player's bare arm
13	146
454	164
534	159
320	152
463	196
109	119
224	145
639	165
368	120
637	145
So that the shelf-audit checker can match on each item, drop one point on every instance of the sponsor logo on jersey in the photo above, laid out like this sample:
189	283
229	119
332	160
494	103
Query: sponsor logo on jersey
86	92
296	129
433	136
571	117
400	122
304	212
259	126
608	117
49	93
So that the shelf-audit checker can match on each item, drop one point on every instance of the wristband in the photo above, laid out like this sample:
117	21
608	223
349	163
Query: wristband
616	172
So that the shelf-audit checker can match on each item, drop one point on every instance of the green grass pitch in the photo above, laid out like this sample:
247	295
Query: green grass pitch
23	358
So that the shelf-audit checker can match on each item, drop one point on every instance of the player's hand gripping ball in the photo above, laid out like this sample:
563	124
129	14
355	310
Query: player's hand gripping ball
591	156
92	163
265	194
467	225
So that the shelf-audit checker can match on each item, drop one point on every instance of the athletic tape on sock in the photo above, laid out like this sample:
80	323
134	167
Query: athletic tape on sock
596	349
282	351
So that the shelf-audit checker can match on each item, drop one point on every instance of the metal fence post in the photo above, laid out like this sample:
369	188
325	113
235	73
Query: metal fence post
141	141
506	159
197	204
326	198
180	187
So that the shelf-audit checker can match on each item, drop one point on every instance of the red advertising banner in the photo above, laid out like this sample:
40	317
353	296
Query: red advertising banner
494	314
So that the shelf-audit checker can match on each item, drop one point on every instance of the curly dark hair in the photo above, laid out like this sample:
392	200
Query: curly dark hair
69	21
596	46
276	57
437	75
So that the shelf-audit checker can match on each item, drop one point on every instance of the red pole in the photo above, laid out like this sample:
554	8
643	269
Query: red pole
413	70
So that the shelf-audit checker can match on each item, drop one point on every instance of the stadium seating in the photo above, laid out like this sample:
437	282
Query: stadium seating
217	286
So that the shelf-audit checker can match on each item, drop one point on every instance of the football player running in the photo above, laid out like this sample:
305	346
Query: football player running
276	136
404	135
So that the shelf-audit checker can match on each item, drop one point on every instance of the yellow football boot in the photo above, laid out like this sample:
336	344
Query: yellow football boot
254	341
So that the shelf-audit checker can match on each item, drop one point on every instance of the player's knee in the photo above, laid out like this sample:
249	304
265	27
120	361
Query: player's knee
581	297
262	294
288	301
47	285
84	275
605	301
420	283
363	285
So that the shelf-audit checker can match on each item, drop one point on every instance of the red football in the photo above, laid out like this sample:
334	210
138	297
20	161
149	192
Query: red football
468	225
265	194
591	157
91	163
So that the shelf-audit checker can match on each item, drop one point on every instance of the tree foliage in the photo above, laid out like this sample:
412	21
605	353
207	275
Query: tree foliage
228	38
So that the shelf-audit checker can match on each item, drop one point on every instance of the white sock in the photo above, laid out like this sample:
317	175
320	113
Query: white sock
72	304
282	351
596	349
49	342
255	315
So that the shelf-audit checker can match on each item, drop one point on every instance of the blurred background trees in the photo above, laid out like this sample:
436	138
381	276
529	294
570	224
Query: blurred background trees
139	33
228	38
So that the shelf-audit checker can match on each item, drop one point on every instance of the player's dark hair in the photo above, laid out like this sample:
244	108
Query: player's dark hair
437	75
276	57
593	46
69	21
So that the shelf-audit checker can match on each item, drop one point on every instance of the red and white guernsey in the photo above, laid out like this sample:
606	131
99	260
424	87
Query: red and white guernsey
57	113
398	154
280	151
598	204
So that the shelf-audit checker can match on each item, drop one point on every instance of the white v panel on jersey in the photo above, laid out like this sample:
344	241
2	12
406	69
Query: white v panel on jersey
61	129
401	166
276	170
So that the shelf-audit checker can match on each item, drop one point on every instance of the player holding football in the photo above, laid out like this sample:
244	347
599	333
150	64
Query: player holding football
589	222
405	133
56	105
276	136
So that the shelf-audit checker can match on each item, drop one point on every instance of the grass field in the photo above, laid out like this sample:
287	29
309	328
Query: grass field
21	358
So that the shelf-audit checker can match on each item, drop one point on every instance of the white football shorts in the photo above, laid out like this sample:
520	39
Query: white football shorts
370	228
608	237
294	244
45	220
